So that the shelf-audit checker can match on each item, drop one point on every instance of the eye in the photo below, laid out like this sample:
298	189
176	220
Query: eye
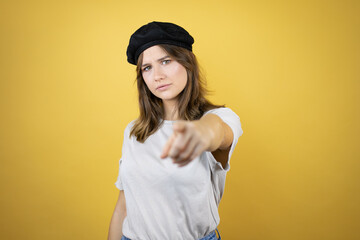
147	68
165	61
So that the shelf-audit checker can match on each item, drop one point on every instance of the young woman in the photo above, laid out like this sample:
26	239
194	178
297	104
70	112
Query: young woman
175	155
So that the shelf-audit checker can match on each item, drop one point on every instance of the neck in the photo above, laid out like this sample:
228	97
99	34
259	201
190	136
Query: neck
170	110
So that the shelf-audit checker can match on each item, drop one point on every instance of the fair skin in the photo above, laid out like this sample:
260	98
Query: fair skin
166	78
115	229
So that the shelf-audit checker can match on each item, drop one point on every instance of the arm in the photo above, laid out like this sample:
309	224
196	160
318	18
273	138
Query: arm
115	229
191	138
221	133
223	137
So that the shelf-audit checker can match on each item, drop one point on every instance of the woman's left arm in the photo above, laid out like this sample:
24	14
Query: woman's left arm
191	138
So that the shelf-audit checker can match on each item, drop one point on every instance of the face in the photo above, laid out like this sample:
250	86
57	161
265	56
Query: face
164	76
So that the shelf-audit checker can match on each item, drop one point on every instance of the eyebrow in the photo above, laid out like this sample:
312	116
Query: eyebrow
159	60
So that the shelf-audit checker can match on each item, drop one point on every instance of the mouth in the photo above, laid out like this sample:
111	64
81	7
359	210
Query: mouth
161	87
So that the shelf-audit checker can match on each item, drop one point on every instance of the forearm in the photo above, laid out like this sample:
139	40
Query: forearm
115	230
217	131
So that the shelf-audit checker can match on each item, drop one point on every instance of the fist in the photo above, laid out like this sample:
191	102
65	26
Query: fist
188	141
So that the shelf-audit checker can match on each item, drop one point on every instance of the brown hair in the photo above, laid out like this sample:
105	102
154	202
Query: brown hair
192	103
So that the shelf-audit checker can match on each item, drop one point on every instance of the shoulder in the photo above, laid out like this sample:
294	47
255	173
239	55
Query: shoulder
130	124
128	128
229	117
222	111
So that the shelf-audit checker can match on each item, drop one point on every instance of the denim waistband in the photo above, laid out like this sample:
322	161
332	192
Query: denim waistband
211	236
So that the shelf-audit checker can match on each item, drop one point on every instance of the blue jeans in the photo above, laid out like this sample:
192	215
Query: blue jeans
211	236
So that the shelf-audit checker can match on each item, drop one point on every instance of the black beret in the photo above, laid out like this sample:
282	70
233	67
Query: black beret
155	33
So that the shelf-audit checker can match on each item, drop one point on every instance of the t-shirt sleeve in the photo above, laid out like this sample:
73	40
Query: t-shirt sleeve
233	121
118	182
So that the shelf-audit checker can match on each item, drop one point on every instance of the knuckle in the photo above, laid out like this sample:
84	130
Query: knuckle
184	156
177	147
172	153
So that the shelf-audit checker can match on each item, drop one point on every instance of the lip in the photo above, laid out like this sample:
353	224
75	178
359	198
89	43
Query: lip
163	87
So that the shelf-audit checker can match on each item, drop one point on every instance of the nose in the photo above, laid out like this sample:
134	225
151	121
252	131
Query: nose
158	73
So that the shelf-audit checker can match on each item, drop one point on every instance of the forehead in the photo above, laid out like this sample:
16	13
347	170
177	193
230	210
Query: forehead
153	53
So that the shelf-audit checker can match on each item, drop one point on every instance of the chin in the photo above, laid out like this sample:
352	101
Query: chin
167	97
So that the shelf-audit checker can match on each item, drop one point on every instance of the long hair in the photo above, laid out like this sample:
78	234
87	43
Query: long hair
191	104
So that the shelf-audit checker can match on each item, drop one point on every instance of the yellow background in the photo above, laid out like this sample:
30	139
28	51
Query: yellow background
289	69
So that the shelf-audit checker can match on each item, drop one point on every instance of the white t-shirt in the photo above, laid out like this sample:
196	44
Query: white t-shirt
165	201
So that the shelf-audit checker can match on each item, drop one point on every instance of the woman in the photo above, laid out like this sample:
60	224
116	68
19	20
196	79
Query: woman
175	155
